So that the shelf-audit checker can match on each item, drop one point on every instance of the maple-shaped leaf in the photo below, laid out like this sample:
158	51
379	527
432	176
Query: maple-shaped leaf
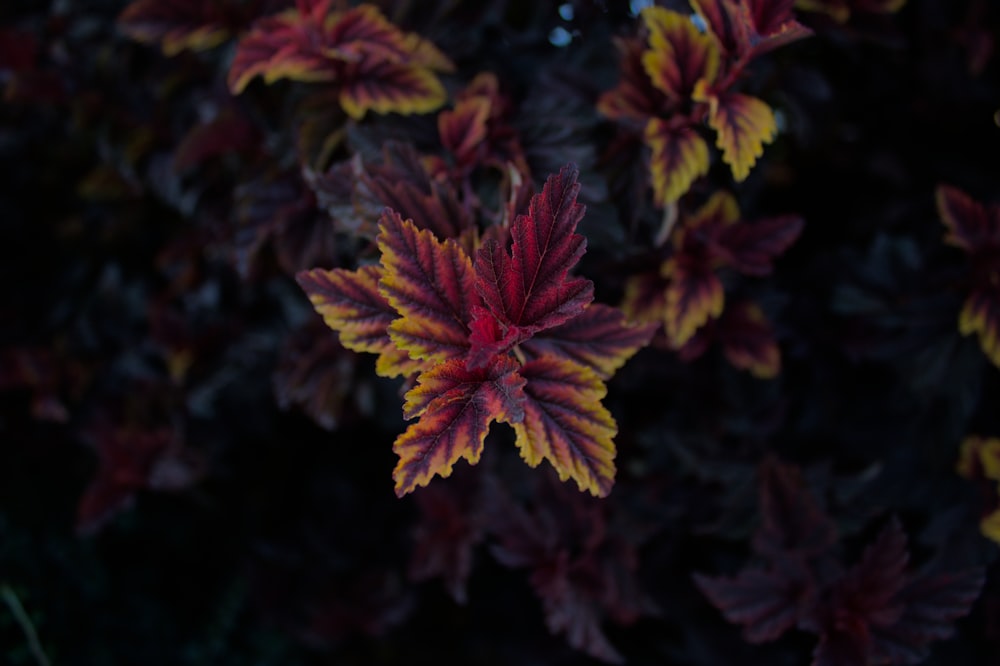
679	55
529	289
430	284
766	603
743	125
751	247
598	338
457	406
565	423
180	24
679	156
350	303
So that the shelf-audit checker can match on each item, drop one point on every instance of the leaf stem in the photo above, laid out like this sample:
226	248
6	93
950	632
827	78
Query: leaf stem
17	610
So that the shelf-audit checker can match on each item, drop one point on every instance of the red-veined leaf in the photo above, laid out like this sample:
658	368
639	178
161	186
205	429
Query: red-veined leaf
725	20
748	340
766	603
463	128
645	298
456	405
229	132
679	157
566	424
679	55
277	47
751	247
635	98
792	521
350	303
694	295
981	315
598	338
389	87
970	224
430	284
931	604
180	24
743	125
529	290
868	592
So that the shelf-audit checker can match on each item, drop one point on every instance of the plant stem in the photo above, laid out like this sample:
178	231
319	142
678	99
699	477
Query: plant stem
17	610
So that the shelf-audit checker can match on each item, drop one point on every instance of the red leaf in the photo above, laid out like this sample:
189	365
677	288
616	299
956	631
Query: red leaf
793	523
529	290
181	24
751	247
566	424
457	406
635	99
598	338
765	603
389	87
351	304
430	284
228	132
868	592
748	340
463	129
931	604
970	224
726	21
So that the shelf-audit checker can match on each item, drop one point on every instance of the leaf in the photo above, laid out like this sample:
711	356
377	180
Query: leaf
463	129
679	55
679	157
373	64
748	340
868	592
792	521
445	537
229	132
694	295
598	338
743	124
566	424
751	247
970	224
389	87
635	99
724	18
767	603
981	315
177	25
430	284
931	604
529	290
350	303
457	406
